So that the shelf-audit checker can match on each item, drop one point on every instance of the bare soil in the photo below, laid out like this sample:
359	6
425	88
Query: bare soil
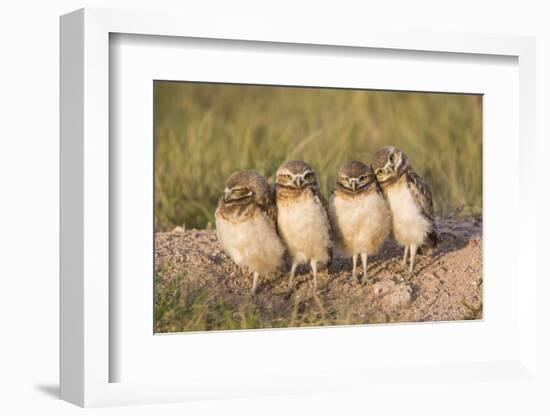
447	283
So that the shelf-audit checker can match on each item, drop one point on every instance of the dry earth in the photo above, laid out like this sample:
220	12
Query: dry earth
447	283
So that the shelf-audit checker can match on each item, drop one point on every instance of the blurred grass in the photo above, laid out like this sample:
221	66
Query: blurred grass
204	132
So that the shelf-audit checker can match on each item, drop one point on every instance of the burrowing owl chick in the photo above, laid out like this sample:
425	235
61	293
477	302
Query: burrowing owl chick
302	217
410	201
246	224
359	213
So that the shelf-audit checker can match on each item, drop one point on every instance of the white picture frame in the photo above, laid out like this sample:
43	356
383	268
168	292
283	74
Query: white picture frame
86	357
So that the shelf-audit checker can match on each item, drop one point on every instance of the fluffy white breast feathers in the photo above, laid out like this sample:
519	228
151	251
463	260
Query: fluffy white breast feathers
246	224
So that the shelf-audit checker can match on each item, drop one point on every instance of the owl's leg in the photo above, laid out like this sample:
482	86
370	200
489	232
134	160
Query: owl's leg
364	259
254	284
292	271
414	248
353	273
405	253
313	264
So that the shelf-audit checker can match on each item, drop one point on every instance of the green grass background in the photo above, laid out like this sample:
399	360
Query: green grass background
204	132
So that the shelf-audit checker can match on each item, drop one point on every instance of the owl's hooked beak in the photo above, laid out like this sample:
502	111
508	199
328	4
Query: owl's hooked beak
354	184
298	181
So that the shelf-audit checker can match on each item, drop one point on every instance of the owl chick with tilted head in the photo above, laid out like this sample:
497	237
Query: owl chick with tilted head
302	217
246	221
410	201
359	213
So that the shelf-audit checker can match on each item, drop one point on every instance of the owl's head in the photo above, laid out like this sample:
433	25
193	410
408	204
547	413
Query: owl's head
389	164
295	174
245	186
354	177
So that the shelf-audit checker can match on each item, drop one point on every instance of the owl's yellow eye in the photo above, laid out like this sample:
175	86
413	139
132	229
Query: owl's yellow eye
392	158
288	177
379	172
363	178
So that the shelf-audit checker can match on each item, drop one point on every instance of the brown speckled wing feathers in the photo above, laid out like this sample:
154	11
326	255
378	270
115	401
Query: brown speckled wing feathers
268	207
423	197
317	193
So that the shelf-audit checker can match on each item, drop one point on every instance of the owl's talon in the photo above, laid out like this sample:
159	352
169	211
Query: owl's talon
408	275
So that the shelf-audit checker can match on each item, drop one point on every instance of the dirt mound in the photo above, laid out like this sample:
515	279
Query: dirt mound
446	284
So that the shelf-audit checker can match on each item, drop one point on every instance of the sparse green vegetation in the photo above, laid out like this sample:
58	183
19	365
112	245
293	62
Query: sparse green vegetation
204	132
472	312
181	306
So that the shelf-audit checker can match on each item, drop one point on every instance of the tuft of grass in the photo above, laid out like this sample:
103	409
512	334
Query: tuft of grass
205	132
472	312
179	307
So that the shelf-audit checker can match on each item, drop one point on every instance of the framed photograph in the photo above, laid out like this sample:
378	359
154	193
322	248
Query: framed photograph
266	213
220	260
